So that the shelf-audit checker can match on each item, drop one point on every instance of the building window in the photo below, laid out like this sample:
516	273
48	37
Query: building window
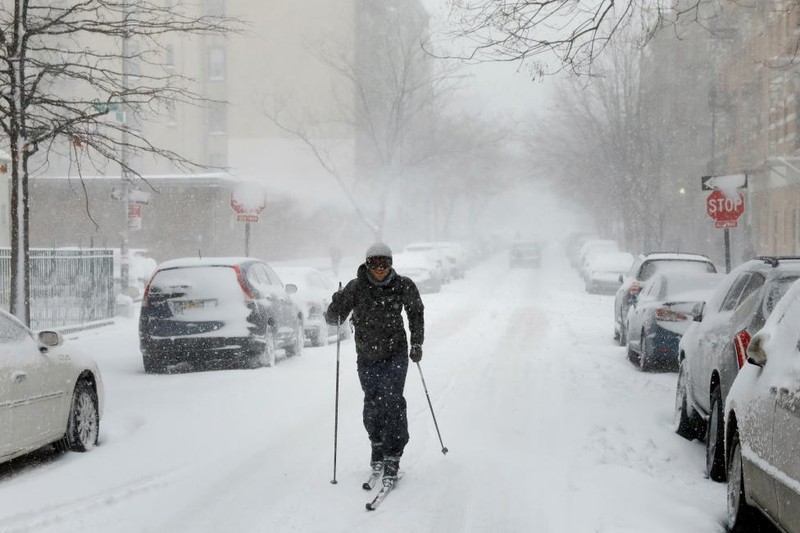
216	64
217	118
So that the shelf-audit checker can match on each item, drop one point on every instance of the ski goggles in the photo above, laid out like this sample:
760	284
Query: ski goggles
379	262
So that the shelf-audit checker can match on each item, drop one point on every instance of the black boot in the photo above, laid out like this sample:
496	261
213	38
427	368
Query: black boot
376	459
391	465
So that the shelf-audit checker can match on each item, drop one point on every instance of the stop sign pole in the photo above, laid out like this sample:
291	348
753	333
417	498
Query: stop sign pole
725	204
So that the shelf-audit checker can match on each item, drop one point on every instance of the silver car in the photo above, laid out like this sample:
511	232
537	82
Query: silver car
713	349
762	430
48	394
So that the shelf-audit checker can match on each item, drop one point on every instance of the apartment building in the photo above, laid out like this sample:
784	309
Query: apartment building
280	112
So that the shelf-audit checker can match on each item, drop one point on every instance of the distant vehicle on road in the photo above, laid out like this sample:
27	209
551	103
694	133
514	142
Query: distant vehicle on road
527	254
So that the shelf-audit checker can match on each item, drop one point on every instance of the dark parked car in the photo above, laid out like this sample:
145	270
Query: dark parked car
642	269
525	254
662	313
714	348
762	426
219	311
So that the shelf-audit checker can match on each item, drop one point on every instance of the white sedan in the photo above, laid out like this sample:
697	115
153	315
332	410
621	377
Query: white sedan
47	395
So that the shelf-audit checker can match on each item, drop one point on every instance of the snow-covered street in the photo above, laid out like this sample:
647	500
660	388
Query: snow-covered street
549	429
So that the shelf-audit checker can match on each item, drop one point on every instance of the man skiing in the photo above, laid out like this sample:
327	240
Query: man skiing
377	297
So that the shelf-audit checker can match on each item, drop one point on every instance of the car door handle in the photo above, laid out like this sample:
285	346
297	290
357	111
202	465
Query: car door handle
18	375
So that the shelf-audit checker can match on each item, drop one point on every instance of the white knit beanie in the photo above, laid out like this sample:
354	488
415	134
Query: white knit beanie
379	250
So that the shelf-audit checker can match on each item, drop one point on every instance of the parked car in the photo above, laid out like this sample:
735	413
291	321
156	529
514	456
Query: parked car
525	254
713	349
604	271
662	313
48	393
418	267
435	255
762	425
592	247
642	269
314	290
217	311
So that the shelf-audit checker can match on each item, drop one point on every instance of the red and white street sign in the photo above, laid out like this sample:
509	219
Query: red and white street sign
248	200
134	216
724	209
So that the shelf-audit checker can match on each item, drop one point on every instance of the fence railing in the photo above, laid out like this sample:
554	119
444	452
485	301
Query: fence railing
69	287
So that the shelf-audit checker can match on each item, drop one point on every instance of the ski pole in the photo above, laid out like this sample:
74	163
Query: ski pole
444	448
336	415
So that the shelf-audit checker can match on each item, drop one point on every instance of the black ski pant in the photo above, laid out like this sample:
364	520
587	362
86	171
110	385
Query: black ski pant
385	417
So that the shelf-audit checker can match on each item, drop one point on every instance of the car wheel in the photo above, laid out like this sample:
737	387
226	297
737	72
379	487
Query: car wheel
623	335
267	355
685	422
296	346
741	516
644	359
715	452
321	337
83	425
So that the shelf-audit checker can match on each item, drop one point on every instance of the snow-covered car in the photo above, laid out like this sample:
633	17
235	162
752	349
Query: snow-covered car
604	271
314	291
525	254
435	255
217	311
418	267
642	269
762	426
713	349
662	313
592	247
48	392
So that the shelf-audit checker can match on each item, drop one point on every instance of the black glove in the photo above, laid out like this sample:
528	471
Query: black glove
416	353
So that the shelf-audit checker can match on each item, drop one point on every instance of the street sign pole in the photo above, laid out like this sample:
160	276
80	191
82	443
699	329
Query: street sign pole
727	250
247	239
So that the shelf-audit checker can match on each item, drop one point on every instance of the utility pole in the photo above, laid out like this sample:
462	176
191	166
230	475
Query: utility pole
124	249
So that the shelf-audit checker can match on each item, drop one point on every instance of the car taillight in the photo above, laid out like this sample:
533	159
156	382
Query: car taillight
665	314
741	341
240	278
146	293
635	288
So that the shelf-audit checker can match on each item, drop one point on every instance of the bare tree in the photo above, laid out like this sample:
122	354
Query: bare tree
603	150
393	92
64	66
574	33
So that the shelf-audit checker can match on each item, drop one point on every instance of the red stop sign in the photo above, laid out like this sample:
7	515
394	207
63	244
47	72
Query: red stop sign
725	210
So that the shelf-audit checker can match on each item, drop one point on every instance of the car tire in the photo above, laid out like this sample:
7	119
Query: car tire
296	345
741	516
83	424
644	360
623	334
266	356
321	337
685	421
715	448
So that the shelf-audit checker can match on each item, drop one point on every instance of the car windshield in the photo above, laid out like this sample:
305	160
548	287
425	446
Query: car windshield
674	265
775	292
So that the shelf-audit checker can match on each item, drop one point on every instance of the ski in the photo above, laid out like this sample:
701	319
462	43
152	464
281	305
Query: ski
369	484
385	490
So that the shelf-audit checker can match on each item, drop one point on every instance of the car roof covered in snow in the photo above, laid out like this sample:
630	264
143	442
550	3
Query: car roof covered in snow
205	261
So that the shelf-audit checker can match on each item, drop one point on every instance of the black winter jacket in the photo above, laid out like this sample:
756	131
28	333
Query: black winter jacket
377	318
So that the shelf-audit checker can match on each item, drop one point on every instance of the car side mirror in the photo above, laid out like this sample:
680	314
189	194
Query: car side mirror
756	354
697	311
291	288
50	339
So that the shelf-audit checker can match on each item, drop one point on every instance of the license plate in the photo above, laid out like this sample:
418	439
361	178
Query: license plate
183	306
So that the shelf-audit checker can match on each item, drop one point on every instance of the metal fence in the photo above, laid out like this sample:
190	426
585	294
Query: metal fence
69	286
